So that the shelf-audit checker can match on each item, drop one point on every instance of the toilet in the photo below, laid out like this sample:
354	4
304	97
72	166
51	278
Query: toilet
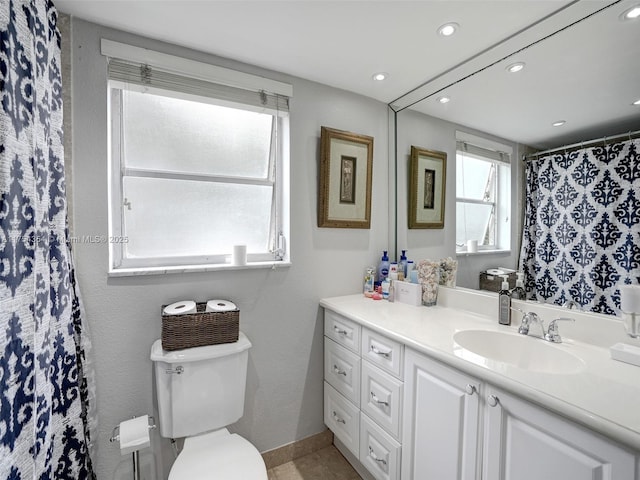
200	391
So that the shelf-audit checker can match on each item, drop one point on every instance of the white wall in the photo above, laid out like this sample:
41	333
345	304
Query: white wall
279	308
434	134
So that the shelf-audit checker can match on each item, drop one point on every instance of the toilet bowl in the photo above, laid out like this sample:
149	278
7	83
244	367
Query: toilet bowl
200	391
218	455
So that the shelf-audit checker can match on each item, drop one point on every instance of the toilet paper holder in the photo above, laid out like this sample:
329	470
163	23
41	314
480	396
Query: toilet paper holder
115	437
115	434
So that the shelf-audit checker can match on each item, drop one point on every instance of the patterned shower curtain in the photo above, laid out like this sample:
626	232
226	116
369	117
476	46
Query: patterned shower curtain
45	421
581	237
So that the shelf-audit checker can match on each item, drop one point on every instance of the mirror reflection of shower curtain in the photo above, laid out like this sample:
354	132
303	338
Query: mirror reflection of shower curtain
581	237
45	419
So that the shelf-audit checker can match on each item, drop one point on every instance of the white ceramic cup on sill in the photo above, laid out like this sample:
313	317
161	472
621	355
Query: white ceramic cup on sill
239	256
472	246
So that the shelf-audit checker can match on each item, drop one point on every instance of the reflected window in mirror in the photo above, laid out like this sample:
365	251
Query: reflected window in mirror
483	197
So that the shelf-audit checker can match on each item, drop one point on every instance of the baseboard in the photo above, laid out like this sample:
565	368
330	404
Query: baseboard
297	449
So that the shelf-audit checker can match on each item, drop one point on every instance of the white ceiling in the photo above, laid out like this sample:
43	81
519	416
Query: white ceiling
343	43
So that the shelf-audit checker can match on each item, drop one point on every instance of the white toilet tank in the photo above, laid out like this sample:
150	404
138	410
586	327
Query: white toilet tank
200	389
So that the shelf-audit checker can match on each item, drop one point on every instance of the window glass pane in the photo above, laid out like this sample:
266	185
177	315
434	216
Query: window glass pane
175	217
164	133
475	179
474	222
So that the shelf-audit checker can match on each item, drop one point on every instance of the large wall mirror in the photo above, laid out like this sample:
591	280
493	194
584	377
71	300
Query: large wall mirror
576	67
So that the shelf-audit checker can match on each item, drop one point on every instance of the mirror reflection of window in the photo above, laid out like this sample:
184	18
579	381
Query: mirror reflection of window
483	196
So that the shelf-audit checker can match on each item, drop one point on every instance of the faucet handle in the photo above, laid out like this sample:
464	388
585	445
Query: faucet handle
552	334
527	319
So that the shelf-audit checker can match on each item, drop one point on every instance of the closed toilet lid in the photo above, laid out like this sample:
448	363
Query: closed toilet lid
218	456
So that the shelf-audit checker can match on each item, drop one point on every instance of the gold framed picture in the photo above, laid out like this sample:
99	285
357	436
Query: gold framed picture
346	170
427	180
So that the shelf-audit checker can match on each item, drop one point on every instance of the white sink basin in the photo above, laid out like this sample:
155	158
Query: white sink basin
520	351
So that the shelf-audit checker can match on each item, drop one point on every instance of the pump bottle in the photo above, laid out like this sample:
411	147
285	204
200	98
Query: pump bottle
519	293
383	268
504	305
402	264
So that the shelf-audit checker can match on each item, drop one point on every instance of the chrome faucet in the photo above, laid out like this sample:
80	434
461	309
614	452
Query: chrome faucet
569	304
552	334
528	319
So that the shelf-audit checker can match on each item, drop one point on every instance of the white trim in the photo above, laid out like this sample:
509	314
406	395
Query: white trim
137	271
194	69
483	142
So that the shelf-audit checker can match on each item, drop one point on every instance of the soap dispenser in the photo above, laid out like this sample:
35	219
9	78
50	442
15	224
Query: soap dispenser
504	302
402	264
383	268
519	293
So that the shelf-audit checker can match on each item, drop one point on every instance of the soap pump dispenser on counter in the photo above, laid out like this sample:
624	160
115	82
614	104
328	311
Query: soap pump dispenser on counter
504	302
519	293
383	268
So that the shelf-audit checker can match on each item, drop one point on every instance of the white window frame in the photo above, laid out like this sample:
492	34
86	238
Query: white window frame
500	156
278	175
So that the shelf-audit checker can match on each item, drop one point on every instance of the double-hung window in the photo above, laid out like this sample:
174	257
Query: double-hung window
483	197
199	162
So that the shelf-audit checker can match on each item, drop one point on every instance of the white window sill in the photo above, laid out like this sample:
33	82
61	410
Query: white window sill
131	272
463	253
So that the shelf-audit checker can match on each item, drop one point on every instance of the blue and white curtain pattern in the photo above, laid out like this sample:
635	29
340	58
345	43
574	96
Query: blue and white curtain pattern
45	429
581	236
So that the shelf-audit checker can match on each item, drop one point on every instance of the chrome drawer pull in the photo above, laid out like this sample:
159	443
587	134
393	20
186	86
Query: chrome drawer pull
378	401
373	455
382	353
338	371
340	331
337	418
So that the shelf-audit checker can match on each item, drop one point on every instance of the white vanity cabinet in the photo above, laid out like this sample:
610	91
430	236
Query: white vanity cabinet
363	393
441	424
527	442
445	412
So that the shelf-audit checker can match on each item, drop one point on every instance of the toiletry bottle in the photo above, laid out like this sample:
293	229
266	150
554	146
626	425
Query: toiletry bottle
410	268
369	277
519	293
392	290
383	268
504	302
402	264
386	283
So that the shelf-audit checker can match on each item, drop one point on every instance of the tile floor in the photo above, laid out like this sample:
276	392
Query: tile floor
324	464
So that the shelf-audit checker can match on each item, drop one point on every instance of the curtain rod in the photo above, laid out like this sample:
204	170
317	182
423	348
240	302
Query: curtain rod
574	146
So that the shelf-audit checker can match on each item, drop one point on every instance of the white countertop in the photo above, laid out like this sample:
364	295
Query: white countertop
604	395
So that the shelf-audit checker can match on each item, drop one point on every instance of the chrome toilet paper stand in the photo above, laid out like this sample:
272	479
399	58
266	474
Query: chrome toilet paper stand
115	437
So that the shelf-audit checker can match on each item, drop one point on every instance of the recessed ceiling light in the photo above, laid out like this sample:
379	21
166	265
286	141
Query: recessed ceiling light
444	99
515	67
559	123
380	76
637	102
448	29
631	13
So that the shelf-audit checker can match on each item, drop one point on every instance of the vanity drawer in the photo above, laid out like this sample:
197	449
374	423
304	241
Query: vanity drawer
381	398
342	330
379	453
342	370
343	418
383	352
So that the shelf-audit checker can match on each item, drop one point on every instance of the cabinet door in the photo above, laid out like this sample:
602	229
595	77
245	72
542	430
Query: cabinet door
527	442
381	398
440	427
